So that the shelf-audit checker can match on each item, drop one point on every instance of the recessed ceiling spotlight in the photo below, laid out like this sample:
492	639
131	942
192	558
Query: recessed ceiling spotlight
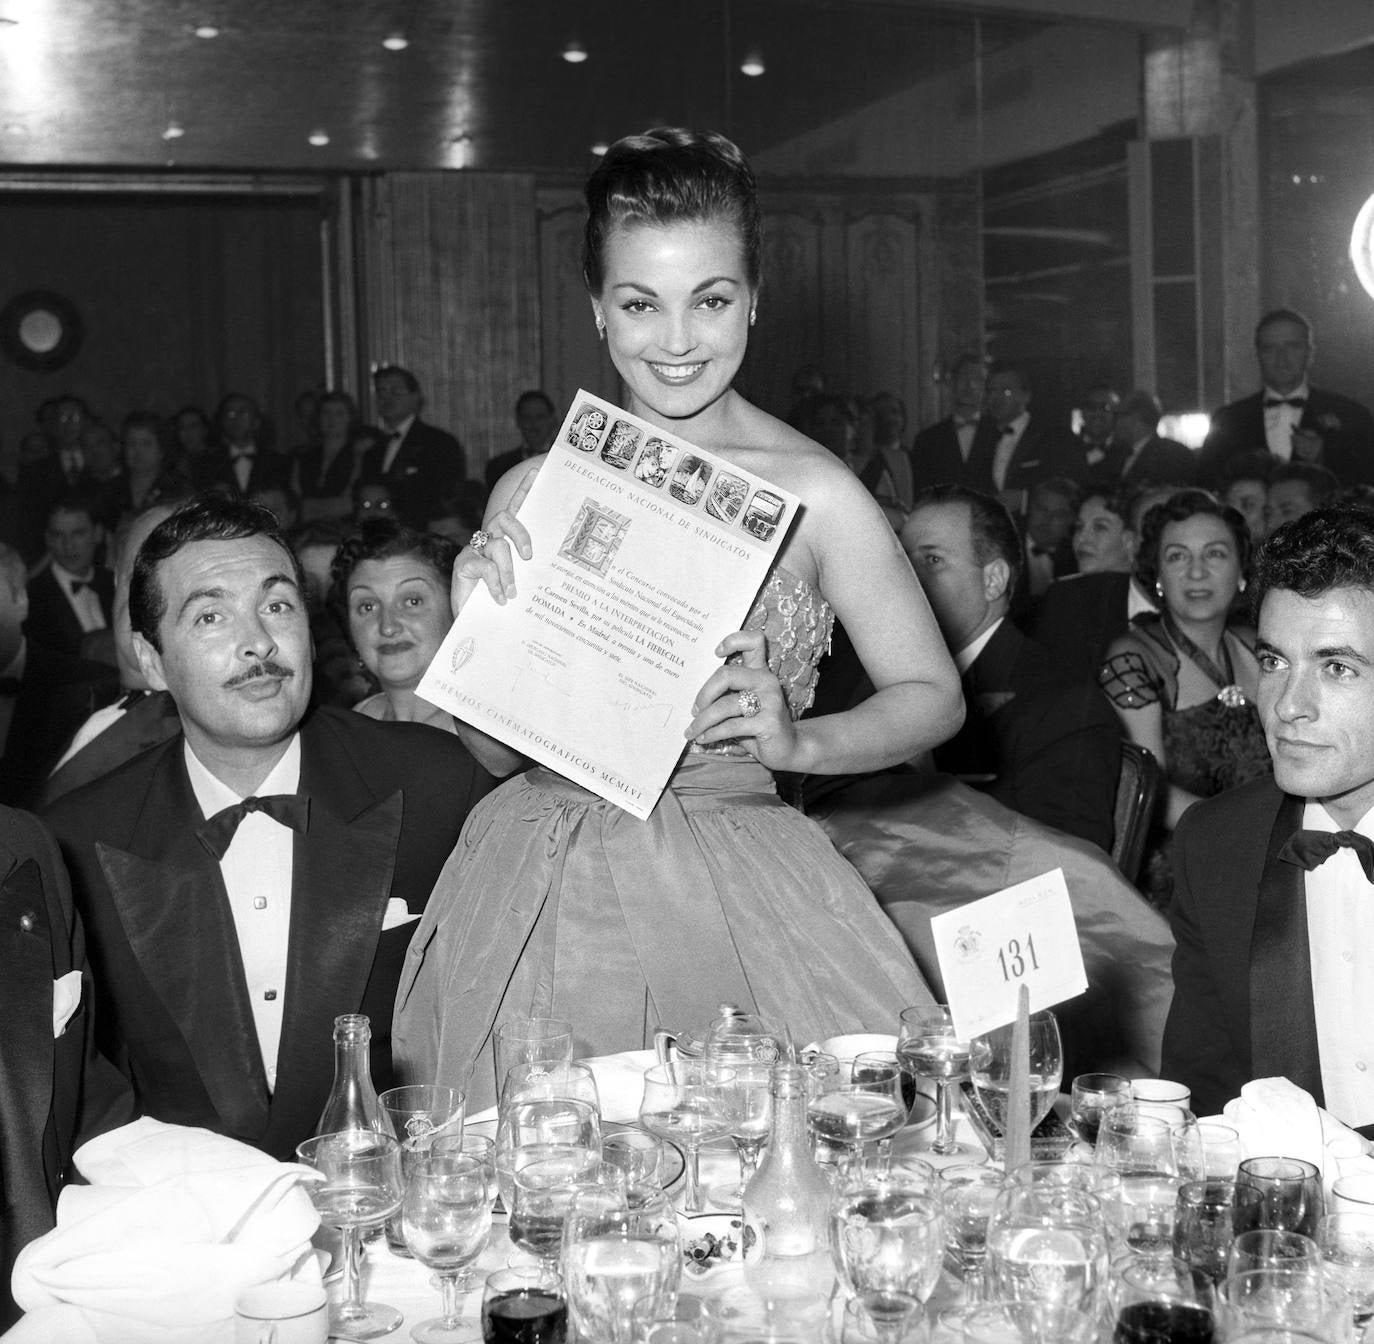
208	31
318	138
752	65
175	130
396	42
574	53
16	129
600	148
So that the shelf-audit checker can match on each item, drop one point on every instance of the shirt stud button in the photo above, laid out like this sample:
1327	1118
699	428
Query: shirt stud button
271	994
28	921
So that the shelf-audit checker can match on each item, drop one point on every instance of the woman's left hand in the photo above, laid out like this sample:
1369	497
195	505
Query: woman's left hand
725	706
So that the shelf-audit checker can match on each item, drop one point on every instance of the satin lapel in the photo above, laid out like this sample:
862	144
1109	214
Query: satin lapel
26	1041
343	870
1283	1026
176	916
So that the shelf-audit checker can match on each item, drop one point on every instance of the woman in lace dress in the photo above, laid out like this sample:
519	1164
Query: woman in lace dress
557	903
1182	681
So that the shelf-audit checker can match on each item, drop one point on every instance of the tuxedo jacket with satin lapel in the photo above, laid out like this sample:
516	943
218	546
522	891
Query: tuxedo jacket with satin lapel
1242	1004
1042	451
387	803
1164	462
54	1094
1052	743
215	471
152	720
1346	427
428	462
936	459
1079	616
52	621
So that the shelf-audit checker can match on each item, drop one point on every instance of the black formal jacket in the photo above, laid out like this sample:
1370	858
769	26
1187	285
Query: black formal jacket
52	622
1346	427
1078	617
428	462
1044	450
54	1094
1052	744
1164	462
387	801
936	459
1242	1004
215	471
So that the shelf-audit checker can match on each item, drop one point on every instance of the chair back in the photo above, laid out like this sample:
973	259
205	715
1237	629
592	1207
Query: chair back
1137	789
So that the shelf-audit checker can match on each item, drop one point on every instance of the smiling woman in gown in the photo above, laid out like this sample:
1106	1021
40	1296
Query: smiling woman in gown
557	903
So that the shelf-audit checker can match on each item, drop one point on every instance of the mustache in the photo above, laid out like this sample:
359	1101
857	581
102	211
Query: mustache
267	668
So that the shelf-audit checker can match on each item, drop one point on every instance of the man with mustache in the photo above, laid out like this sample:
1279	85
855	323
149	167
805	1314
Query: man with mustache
1273	908
259	874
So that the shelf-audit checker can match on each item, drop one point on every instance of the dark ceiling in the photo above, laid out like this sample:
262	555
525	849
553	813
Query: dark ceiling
481	83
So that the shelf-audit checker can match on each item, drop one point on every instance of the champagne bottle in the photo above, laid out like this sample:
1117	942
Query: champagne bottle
786	1203
352	1100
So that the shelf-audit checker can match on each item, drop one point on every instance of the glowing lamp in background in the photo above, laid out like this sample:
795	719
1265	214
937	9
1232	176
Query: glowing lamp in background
1362	246
1189	427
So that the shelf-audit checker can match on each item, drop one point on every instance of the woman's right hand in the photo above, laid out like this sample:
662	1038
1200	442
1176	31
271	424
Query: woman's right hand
494	563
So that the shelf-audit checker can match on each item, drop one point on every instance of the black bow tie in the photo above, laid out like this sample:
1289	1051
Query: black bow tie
76	585
217	833
1299	402
1008	429
130	700
1308	849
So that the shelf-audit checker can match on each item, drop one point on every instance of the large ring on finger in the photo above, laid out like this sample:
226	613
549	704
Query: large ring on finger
748	704
479	541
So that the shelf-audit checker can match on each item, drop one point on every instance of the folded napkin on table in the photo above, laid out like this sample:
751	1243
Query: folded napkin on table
1276	1118
174	1225
619	1084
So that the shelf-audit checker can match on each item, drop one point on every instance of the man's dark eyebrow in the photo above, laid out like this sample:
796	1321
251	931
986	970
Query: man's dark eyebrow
1345	652
196	596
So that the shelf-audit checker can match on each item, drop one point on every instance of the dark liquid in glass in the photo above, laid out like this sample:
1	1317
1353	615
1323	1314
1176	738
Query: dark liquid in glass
525	1316
1163	1323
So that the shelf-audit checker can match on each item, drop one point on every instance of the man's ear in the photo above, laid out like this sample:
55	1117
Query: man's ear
149	662
996	579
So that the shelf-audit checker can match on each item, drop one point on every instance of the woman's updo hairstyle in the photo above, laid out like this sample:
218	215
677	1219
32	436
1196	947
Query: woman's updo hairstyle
1178	508
670	176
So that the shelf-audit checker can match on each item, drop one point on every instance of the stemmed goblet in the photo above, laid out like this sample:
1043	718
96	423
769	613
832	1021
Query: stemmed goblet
1091	1097
932	1049
361	1185
991	1064
446	1219
868	1107
419	1115
541	1131
690	1104
753	1121
1291	1191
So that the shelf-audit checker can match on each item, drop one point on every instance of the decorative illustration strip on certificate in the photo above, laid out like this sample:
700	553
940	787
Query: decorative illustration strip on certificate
647	553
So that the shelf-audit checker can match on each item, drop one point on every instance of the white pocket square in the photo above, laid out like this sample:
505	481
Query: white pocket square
396	914
66	999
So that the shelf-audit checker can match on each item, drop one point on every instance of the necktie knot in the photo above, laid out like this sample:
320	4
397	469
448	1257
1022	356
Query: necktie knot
1310	849
217	832
76	585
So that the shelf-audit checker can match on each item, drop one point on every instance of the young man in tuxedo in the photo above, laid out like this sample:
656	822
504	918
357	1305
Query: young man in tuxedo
73	596
416	460
1293	420
258	874
1273	904
950	450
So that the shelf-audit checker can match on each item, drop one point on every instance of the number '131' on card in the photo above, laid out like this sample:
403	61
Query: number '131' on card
988	949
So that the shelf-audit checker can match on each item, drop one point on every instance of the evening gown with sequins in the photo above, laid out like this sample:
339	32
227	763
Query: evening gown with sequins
558	904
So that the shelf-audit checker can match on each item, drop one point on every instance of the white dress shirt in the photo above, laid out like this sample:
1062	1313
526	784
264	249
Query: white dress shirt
964	659
257	871
965	430
1006	449
1340	930
85	602
1281	421
395	438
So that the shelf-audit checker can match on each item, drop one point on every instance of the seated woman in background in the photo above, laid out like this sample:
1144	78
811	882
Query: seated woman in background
391	593
149	474
324	470
1183	682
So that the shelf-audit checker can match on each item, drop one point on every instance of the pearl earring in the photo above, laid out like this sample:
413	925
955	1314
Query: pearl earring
600	327
753	316
1159	588
1241	587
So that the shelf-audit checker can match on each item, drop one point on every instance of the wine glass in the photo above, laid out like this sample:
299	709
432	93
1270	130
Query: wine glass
1140	1209
1091	1097
536	1131
596	1210
1286	1297
418	1115
1273	1248
542	1195
753	1121
932	1049
1047	1254
607	1275
869	1106
1135	1144
1203	1230
883	1066
1291	1190
970	1191
1347	1246
446	1219
637	1154
1159	1300
690	1103
524	1305
991	1064
361	1185
549	1080
887	1237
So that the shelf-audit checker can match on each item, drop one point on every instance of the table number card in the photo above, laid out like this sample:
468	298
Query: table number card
988	949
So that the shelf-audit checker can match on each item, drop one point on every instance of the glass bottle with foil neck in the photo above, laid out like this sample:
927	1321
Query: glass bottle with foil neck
352	1100
786	1203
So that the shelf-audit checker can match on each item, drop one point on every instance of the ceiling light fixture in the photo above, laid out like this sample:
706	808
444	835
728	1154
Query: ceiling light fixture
318	138
574	53
207	31
752	65
396	42
175	130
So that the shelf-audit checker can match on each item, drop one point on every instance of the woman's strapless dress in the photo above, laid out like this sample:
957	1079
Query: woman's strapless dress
558	904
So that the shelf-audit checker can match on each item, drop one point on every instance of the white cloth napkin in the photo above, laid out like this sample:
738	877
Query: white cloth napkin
619	1085
174	1224
1276	1118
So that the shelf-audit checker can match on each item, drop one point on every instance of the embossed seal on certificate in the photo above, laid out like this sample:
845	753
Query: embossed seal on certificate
462	653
